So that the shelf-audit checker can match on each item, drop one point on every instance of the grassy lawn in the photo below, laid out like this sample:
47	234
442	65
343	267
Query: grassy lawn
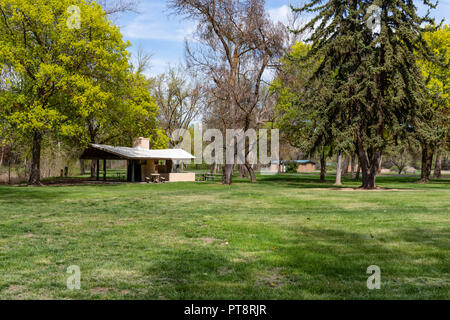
287	237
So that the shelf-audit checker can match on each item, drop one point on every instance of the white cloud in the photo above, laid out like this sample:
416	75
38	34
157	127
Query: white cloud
280	14
155	23
146	27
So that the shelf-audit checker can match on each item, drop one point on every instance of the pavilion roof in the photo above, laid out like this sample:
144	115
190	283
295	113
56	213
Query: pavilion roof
101	151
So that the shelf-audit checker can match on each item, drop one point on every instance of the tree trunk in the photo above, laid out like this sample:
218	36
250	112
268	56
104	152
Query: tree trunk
27	167
227	174
93	169
346	163
427	159
369	179
358	170
214	168
243	171
339	170
352	167
379	164
250	170
82	169
251	173
35	174
438	165
228	168
369	167
9	171
323	167
1	158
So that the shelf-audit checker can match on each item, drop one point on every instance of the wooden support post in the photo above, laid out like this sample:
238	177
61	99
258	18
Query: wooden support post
104	169
169	166
98	169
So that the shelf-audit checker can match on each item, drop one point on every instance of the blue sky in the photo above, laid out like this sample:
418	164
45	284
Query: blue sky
162	34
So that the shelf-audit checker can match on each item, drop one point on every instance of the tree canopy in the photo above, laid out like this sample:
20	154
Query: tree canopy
66	71
368	84
433	130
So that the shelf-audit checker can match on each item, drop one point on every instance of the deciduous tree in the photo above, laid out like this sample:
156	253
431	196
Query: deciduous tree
178	98
433	134
236	42
68	74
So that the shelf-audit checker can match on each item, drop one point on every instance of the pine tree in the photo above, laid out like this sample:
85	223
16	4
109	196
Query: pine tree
370	84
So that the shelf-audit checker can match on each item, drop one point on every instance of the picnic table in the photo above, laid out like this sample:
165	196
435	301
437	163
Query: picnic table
206	177
154	177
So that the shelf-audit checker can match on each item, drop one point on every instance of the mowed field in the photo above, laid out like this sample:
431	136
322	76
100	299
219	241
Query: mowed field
286	237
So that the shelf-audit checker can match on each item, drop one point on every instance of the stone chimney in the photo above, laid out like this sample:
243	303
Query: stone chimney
141	142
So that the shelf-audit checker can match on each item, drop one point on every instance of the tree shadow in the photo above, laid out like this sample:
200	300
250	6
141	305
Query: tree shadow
312	181
197	273
338	253
14	194
319	262
427	237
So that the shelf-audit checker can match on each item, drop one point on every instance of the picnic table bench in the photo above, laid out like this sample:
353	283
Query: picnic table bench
155	178
206	177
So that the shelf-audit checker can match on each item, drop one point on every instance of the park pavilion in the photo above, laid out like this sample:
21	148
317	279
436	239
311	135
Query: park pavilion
143	164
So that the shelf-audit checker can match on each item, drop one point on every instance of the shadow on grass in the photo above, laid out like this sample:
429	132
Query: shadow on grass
427	237
196	273
44	193
320	262
312	181
307	181
341	258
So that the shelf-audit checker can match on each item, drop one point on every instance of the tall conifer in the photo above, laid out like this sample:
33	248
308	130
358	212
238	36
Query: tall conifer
370	84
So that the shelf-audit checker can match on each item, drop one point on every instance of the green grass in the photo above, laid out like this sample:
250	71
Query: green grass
286	237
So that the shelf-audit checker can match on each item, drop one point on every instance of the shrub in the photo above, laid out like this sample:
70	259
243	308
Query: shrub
291	167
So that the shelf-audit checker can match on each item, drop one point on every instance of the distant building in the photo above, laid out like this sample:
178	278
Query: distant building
304	165
301	165
277	166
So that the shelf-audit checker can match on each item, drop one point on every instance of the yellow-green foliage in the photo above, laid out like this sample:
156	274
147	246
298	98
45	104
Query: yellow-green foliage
438	76
292	117
72	81
159	139
293	76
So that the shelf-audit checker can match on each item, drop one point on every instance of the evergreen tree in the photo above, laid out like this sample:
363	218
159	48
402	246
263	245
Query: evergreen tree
368	83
